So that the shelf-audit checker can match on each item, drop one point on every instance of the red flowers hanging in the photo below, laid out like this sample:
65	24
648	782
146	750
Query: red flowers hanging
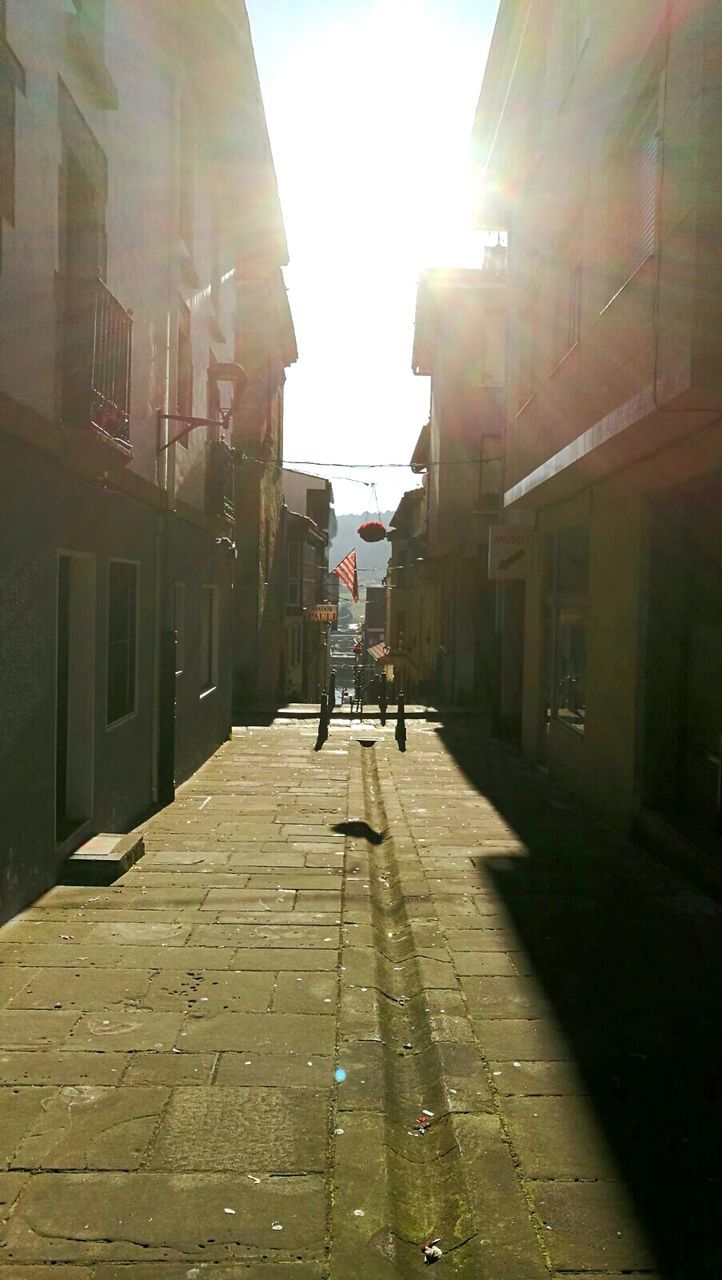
371	531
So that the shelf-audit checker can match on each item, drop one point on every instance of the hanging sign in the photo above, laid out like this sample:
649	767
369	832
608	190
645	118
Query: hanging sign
510	551
322	613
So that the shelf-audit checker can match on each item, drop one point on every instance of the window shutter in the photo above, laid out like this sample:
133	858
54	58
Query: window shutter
648	193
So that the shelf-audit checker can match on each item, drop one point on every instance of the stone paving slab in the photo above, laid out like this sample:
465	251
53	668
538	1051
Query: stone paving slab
219	991
287	1071
20	1110
172	1069
242	1129
558	1138
91	1127
198	1270
84	989
70	955
272	1033
186	1052
125	1029
289	936
165	1217
285	958
34	1029
12	980
55	1066
591	1225
537	1079
305	993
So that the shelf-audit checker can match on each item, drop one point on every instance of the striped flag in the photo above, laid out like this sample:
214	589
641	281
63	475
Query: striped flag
346	570
379	651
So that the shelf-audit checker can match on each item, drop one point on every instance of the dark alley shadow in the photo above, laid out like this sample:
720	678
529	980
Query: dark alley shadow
361	830
630	958
255	717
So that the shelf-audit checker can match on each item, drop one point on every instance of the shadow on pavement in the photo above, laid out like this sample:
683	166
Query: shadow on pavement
255	717
360	829
630	958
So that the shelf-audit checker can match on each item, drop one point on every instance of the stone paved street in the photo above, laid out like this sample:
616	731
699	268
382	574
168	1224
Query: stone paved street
523	1009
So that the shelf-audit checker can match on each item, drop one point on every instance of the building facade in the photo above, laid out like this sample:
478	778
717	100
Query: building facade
265	347
411	623
136	184
601	157
442	601
309	524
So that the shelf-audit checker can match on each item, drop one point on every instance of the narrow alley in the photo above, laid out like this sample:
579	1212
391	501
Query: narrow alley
352	1001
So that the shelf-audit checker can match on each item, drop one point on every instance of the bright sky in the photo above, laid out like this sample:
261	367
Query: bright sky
369	105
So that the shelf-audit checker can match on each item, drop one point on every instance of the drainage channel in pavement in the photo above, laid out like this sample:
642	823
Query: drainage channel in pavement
419	1153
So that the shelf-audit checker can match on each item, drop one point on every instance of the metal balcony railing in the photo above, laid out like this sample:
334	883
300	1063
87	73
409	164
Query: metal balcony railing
96	359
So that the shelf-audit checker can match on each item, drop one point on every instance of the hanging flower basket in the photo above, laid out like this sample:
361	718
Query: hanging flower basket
371	531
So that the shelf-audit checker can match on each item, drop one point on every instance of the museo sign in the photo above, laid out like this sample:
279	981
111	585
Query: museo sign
510	552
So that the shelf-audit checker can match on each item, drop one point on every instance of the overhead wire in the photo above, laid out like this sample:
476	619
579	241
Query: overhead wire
374	466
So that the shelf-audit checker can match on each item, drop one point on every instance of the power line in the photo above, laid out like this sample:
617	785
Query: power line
377	466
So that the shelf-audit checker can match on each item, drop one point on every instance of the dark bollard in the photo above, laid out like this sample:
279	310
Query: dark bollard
400	734
383	699
322	723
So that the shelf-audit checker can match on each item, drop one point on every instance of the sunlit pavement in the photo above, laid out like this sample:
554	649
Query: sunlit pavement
352	1000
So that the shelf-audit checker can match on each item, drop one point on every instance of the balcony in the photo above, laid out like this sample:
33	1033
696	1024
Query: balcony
96	354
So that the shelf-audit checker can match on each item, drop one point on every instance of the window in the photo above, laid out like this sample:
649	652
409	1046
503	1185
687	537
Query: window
293	573
568	36
566	276
574	306
492	470
179	626
12	77
632	195
187	170
568	608
567	301
122	639
184	394
209	639
527	334
400	627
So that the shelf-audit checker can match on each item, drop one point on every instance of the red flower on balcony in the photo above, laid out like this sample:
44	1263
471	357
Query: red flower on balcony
371	531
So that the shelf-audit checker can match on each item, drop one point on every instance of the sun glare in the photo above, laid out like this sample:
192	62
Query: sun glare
369	118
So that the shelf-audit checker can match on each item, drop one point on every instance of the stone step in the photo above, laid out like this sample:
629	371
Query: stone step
103	858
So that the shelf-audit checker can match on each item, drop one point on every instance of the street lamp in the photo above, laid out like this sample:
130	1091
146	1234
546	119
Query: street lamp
228	381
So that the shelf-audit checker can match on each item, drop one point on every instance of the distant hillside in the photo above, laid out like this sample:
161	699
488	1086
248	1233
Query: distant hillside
372	556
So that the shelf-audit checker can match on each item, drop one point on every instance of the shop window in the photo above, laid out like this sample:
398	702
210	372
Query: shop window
122	639
568	612
209	639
